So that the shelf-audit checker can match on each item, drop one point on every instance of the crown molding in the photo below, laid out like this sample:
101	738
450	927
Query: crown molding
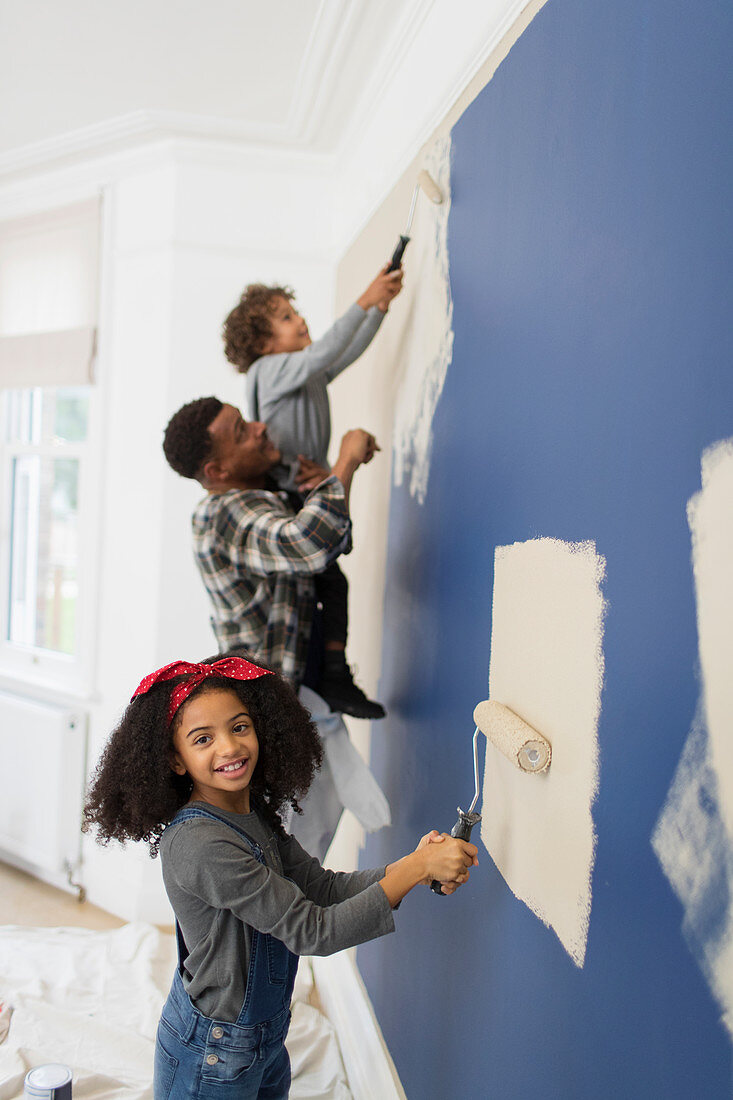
443	59
317	80
430	52
132	130
396	53
319	110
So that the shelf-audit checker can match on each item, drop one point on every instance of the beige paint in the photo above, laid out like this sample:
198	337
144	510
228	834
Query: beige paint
547	666
693	838
366	395
392	392
710	515
428	335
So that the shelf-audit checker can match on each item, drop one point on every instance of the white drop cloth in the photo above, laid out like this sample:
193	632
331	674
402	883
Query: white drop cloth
92	1000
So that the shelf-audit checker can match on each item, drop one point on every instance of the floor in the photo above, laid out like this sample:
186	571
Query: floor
26	901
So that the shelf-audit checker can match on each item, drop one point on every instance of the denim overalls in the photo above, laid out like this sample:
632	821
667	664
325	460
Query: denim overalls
197	1058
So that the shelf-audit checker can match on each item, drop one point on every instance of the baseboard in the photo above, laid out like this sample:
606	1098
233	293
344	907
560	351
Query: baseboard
371	1071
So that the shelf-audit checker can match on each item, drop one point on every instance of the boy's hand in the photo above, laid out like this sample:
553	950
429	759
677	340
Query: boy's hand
309	474
382	290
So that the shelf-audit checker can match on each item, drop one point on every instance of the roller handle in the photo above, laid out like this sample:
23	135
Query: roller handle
461	831
396	260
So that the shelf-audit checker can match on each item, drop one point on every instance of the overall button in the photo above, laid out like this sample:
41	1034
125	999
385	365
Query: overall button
217	1032
211	1059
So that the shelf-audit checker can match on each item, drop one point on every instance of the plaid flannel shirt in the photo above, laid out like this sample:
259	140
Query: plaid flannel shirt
257	557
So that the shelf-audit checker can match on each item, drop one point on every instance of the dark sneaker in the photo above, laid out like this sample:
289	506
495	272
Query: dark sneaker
337	687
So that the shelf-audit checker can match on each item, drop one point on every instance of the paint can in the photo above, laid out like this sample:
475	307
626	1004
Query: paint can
49	1082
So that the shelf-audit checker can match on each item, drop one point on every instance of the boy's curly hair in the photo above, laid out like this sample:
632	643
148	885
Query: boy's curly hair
248	325
187	442
134	792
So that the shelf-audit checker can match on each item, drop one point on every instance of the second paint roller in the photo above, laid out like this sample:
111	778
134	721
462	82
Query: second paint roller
426	183
527	749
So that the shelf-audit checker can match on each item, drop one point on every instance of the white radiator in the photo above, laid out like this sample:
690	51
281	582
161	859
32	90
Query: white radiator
42	776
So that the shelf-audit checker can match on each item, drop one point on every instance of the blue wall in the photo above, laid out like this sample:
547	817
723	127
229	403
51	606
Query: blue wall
590	242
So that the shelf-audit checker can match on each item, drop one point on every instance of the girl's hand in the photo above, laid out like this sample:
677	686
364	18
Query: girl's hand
449	862
437	856
433	837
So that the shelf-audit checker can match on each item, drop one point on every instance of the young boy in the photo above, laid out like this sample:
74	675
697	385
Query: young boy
287	379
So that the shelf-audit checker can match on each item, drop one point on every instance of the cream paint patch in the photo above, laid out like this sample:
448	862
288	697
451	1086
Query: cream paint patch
710	515
428	337
693	838
547	666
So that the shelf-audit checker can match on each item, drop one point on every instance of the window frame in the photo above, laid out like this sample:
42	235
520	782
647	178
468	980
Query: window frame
32	671
30	665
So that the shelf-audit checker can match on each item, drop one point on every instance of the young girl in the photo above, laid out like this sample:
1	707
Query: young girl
204	759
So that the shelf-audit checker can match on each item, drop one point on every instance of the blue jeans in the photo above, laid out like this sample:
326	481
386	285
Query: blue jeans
201	1059
197	1058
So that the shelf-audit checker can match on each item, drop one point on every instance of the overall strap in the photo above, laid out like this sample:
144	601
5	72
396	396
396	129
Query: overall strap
187	814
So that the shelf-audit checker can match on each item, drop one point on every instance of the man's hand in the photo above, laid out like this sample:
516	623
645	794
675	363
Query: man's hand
382	290
357	447
309	474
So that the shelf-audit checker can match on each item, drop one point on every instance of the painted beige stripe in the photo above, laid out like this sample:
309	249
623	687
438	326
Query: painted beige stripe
547	666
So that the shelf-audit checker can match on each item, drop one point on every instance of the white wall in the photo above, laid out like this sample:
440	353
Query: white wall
188	238
186	228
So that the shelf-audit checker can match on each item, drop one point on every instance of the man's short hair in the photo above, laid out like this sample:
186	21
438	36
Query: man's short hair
247	327
187	441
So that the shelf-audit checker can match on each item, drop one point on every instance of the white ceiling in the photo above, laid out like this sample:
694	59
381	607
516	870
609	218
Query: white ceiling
282	72
348	89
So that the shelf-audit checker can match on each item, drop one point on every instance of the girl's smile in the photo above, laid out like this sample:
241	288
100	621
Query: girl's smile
215	743
237	768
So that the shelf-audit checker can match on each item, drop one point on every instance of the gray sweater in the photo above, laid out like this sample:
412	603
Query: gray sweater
289	390
220	892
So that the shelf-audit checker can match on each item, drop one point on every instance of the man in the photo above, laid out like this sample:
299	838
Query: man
258	552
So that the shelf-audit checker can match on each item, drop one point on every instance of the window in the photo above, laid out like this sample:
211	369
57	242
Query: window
48	305
46	434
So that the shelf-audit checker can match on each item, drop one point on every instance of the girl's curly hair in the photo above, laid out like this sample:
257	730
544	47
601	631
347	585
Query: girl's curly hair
248	325
134	792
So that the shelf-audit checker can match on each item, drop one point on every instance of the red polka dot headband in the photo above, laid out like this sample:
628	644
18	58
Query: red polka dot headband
233	668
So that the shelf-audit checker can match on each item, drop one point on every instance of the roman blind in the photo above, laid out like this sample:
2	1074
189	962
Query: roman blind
49	276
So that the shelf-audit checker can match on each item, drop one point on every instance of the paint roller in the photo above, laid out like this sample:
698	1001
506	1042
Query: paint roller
527	749
426	183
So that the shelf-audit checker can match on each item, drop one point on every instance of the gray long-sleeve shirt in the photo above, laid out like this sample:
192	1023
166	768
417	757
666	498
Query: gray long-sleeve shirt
220	892
289	390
